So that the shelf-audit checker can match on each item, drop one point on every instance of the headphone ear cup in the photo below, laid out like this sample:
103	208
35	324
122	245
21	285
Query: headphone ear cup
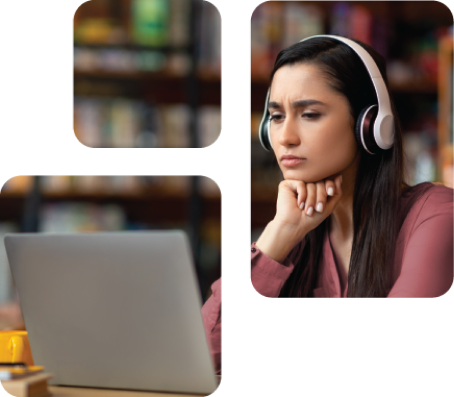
264	133
364	129
267	139
358	127
264	129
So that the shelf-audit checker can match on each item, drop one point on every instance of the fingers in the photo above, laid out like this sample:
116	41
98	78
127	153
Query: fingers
301	189
337	194
330	187
311	198
323	195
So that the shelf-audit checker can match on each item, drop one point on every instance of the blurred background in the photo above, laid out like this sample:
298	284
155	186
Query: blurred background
147	105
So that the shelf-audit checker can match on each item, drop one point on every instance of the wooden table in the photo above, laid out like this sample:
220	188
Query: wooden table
58	391
64	391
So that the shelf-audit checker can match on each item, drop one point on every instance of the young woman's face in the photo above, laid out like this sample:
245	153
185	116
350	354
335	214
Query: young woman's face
311	125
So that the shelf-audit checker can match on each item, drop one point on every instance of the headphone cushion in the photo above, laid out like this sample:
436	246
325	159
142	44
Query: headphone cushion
364	129
358	127
264	134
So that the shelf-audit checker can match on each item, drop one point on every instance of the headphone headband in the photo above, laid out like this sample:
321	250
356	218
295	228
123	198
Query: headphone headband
383	126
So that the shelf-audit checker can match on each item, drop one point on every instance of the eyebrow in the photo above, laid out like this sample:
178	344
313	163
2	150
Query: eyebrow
296	104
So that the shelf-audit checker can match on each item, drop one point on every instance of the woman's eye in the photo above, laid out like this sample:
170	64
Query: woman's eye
314	115
311	116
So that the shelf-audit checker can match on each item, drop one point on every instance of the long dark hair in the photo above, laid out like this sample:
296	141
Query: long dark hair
378	185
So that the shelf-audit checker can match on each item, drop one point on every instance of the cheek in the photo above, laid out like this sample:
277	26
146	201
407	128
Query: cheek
339	143
334	143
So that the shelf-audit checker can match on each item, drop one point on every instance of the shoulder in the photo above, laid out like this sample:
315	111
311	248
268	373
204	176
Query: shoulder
424	249
429	201
436	197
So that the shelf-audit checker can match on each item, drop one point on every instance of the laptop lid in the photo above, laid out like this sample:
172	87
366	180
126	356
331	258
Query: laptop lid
113	310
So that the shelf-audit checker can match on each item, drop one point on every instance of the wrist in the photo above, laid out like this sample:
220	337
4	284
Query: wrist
278	239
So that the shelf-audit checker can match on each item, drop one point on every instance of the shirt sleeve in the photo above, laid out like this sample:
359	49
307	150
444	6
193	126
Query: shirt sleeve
235	337
419	305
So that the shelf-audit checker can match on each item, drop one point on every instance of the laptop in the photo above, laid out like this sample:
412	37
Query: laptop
113	310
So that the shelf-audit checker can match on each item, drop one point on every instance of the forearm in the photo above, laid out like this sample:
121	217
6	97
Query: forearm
278	239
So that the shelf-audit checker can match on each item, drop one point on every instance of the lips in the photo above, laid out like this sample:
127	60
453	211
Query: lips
292	162
291	158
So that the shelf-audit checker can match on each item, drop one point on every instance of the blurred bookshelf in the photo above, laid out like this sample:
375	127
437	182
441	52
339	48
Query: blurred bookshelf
133	90
446	110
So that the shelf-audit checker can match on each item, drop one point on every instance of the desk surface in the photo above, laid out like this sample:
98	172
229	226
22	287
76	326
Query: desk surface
83	392
64	391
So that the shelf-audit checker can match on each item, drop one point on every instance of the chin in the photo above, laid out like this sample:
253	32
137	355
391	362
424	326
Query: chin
299	176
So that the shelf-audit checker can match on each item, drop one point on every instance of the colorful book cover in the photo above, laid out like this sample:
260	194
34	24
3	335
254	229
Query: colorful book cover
150	22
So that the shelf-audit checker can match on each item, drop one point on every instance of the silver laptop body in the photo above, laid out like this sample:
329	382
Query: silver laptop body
113	310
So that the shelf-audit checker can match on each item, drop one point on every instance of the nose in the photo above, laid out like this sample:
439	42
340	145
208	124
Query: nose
289	134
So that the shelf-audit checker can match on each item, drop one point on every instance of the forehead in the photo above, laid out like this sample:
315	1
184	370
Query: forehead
300	85
300	81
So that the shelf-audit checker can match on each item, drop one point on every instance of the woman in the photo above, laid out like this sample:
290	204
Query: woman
347	224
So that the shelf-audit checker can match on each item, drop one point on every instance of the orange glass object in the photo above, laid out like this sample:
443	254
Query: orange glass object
15	347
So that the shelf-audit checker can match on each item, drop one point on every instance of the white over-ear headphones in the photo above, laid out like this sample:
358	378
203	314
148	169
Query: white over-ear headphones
374	128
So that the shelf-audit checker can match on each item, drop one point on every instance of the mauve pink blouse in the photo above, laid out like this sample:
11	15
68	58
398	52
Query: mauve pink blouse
419	363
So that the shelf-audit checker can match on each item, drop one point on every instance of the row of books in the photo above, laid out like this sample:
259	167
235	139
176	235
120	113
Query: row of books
154	23
118	60
143	22
89	184
102	120
115	184
81	217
